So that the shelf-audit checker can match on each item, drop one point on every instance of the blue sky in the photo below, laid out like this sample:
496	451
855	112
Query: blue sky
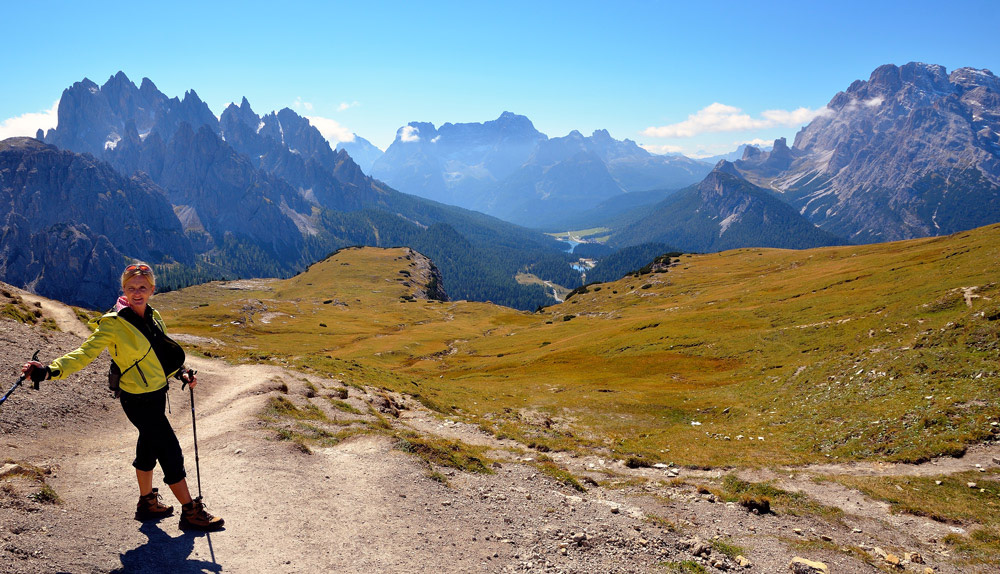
664	74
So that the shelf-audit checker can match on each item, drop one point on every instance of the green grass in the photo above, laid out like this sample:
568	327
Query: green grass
728	549
684	567
46	495
780	357
951	502
12	306
563	476
446	453
758	494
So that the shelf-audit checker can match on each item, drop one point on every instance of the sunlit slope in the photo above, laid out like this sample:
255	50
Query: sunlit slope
744	357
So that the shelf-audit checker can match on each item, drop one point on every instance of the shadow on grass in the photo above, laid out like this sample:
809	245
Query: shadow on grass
163	553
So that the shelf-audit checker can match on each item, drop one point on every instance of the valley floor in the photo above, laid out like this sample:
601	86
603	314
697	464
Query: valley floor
366	506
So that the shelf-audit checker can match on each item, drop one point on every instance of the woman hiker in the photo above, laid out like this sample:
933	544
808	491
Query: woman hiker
144	358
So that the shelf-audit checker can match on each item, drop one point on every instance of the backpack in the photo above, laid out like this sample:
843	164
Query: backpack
168	352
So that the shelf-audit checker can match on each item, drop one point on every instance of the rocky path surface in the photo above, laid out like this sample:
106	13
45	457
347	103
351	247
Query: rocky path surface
366	506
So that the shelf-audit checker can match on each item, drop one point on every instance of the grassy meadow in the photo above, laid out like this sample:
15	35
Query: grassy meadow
742	358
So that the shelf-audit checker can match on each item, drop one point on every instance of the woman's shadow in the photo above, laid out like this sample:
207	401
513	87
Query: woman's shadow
163	553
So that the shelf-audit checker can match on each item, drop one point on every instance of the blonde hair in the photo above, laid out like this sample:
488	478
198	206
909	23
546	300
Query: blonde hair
137	269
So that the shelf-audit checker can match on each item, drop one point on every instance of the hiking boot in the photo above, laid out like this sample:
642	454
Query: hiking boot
195	517
151	507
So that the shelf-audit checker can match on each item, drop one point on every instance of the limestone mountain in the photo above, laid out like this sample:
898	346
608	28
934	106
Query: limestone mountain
72	221
95	118
267	195
913	151
723	211
568	176
508	169
457	164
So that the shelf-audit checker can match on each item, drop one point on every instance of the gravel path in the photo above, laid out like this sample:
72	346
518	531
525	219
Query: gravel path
365	506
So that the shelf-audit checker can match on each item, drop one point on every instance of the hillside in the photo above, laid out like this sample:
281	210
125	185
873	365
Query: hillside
723	211
807	349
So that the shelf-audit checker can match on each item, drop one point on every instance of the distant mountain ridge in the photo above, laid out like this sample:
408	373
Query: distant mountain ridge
267	195
723	211
363	152
913	151
507	168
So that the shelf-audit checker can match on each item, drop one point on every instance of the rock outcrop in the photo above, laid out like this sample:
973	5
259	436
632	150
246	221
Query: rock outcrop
72	222
902	155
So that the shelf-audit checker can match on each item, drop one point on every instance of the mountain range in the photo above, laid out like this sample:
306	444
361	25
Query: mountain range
913	151
241	195
508	169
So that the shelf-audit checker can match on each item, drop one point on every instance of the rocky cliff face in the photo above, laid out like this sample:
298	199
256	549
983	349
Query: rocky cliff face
95	118
72	221
177	143
905	154
286	146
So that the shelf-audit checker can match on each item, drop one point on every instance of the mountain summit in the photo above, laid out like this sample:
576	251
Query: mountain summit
904	154
724	211
508	169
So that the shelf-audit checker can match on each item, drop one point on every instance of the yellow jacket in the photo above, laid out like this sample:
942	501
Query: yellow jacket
129	348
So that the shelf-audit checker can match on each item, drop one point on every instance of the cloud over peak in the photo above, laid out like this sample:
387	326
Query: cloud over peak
409	134
331	129
723	118
28	124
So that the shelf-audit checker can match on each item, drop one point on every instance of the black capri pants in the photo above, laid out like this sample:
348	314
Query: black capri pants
157	441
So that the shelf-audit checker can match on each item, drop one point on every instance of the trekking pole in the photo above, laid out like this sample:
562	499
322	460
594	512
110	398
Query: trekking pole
19	381
194	430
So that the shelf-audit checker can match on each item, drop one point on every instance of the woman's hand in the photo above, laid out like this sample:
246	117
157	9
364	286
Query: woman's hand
34	370
190	377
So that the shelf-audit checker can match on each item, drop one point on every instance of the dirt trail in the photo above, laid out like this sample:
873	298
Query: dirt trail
63	315
364	506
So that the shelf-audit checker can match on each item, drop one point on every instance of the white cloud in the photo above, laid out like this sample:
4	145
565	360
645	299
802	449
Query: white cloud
28	124
347	105
299	104
331	129
409	134
662	149
722	118
759	142
874	102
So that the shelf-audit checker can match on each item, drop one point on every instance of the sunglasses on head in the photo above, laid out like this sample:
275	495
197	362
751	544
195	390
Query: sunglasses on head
141	268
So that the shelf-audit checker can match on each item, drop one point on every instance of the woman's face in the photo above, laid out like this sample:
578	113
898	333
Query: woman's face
138	290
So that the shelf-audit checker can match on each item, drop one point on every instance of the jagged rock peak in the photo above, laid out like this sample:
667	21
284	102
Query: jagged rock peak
751	152
511	122
193	95
119	79
148	87
728	167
